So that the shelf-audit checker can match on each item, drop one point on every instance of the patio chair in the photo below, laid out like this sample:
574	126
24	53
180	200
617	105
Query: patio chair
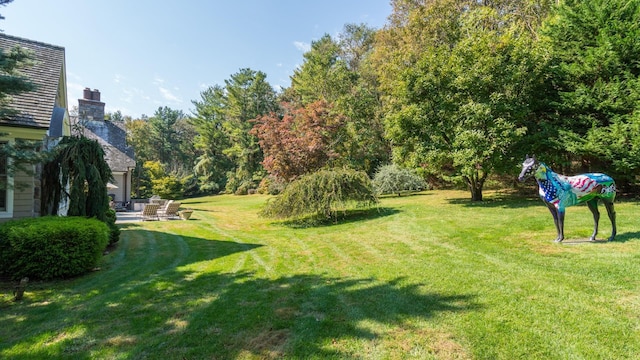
170	211
150	212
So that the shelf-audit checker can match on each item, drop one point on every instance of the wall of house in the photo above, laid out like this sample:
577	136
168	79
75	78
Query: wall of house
24	196
121	192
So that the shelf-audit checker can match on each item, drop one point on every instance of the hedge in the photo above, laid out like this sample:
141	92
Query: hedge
51	247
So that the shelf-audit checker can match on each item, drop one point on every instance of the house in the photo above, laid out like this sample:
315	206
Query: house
111	135
41	115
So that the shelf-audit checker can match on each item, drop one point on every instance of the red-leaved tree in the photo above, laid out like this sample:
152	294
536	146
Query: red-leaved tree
299	141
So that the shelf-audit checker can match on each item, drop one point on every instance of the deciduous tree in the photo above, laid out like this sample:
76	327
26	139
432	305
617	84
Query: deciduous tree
301	141
459	89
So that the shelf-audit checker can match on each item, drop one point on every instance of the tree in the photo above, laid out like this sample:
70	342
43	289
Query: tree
248	96
166	185
211	140
596	75
338	73
138	138
461	94
165	138
303	140
78	173
322	193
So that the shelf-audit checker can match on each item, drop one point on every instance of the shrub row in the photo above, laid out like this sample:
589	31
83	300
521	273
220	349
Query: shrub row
51	247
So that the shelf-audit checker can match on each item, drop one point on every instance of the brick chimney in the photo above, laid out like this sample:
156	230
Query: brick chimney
90	107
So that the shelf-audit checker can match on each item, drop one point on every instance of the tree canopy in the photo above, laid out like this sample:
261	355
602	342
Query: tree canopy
456	90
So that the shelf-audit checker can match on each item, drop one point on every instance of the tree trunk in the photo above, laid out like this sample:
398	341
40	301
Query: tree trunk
475	184
476	192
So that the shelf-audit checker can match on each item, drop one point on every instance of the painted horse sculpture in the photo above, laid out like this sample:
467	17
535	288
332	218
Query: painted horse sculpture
560	191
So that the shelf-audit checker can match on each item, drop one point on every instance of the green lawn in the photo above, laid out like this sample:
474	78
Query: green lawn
425	276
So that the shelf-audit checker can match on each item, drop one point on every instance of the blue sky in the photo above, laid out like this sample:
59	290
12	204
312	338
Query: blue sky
143	54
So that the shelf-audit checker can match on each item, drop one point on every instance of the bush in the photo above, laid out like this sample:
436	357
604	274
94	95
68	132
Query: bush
114	230
392	179
322	193
271	185
51	247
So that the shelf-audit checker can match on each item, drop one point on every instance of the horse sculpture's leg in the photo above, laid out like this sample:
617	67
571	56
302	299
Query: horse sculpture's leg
558	220
612	216
593	206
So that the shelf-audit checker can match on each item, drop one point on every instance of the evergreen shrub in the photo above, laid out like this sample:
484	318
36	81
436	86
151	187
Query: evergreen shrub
114	230
271	185
323	193
51	247
392	179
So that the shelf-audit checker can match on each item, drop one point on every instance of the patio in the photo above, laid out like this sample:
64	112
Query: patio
128	217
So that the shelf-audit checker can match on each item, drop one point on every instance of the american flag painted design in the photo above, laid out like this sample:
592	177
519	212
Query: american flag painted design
563	191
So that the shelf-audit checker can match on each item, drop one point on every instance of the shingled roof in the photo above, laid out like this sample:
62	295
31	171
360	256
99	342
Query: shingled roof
112	137
35	107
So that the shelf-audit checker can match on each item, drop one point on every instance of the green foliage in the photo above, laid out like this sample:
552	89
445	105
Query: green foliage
392	179
211	140
166	185
231	155
167	136
595	49
458	104
51	247
114	230
271	185
77	162
337	73
323	193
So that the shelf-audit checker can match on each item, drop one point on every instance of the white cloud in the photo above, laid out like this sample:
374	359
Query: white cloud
117	78
74	91
168	95
129	94
302	46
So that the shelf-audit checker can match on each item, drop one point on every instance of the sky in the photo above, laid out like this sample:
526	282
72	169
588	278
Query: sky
144	54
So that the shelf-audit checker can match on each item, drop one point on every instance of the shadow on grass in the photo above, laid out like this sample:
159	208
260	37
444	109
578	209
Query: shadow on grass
405	195
627	236
343	217
506	201
621	237
177	297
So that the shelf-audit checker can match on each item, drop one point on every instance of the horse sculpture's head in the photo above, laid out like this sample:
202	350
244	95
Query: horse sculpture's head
529	167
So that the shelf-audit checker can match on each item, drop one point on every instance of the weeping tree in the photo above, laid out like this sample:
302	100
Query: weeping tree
324	193
78	172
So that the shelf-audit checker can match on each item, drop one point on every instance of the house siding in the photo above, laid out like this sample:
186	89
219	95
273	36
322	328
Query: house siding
23	196
34	117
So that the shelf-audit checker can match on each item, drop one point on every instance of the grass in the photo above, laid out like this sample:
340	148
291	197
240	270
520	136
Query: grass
430	276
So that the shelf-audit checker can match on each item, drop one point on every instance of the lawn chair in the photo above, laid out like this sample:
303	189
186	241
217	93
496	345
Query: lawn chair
150	212
170	211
